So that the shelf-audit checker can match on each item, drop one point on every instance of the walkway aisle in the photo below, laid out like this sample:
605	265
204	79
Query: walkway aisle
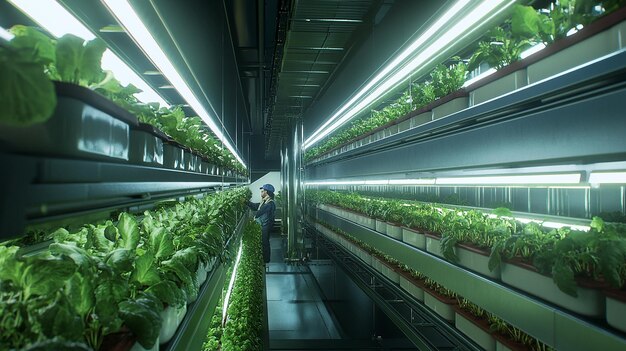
294	306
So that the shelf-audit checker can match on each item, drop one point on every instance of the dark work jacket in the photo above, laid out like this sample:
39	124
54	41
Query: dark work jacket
264	212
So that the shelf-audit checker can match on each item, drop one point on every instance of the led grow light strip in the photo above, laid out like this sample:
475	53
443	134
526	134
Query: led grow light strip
58	21
426	55
528	179
607	178
564	178
129	19
231	283
4	34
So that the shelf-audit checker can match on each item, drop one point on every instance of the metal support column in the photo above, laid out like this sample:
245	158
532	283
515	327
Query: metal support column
291	178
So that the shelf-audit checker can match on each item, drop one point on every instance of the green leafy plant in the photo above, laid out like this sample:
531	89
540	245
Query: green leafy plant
26	94
242	329
98	279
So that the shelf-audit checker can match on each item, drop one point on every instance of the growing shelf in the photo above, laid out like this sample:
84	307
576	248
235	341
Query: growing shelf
193	330
38	189
549	324
513	129
426	330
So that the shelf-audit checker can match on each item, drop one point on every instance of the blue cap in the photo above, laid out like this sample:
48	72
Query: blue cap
268	187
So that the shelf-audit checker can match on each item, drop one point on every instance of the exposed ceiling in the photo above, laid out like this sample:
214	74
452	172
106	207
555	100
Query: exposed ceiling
311	39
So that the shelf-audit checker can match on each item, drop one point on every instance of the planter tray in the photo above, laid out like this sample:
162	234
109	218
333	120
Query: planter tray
84	124
590	302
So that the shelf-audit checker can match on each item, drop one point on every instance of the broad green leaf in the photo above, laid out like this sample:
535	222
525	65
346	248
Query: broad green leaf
97	239
109	293
495	259
11	268
188	281
168	293
80	293
60	235
143	319
78	255
447	248
44	275
563	276
188	257
145	272
598	224
110	232
69	55
60	319
40	45
27	96
129	231
525	21
161	243
612	255
90	64
120	260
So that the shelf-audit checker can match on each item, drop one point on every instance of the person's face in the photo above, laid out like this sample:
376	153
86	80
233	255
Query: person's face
263	193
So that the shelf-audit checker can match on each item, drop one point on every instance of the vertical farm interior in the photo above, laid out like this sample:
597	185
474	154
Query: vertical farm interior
443	175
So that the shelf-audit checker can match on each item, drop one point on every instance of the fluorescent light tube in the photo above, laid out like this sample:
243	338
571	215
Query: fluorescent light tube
376	182
425	56
129	19
5	34
607	178
231	283
564	178
58	21
547	224
422	181
479	77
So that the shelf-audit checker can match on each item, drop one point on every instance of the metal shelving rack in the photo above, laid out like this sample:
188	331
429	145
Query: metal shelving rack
425	329
514	130
572	121
41	189
550	324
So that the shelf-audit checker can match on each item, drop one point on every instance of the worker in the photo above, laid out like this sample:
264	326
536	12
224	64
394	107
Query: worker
265	217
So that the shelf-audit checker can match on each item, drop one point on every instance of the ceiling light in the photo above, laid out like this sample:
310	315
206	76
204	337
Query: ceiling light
368	94
607	178
58	21
564	178
129	19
